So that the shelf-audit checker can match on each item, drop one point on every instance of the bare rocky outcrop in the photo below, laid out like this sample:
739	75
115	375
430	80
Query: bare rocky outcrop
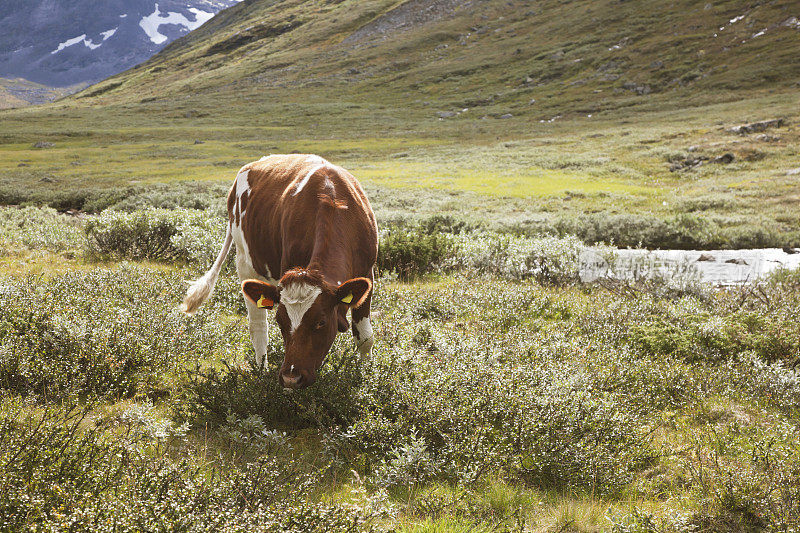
757	127
406	17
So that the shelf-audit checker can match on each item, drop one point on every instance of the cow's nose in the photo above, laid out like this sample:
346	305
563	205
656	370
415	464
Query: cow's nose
291	380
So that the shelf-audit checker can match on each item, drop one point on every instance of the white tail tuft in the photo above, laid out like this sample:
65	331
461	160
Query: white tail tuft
201	290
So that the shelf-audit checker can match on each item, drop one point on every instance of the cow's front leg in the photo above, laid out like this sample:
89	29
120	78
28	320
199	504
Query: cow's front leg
259	330
362	328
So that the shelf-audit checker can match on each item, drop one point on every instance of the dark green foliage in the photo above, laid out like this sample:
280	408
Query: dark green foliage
757	494
211	395
445	224
717	331
187	195
685	231
413	252
48	464
89	200
161	234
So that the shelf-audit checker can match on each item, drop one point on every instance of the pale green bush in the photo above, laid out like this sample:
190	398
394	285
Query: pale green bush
40	228
100	332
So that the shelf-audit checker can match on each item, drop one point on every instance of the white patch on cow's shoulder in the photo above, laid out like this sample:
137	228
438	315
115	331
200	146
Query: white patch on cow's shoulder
242	186
297	298
306	178
244	261
329	187
263	158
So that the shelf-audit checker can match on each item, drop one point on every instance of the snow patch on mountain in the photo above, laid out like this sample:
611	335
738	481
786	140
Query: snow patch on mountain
152	22
69	42
88	43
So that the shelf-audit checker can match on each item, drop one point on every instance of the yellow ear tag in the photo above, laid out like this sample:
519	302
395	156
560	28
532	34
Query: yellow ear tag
264	302
347	299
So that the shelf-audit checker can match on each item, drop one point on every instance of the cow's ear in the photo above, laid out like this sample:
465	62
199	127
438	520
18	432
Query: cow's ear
353	292
262	294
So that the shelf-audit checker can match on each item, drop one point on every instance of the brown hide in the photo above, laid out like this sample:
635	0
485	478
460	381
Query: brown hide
305	220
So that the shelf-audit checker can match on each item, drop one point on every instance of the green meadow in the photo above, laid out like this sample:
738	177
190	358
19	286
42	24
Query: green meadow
606	165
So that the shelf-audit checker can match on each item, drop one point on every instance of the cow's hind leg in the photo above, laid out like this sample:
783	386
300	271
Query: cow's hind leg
362	328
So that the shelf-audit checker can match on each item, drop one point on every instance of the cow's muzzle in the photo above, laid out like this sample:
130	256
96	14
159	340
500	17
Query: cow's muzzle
294	378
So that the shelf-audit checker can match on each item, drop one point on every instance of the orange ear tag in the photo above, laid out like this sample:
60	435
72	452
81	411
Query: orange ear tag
264	302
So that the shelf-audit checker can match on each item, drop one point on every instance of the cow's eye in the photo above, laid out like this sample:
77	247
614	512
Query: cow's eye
320	324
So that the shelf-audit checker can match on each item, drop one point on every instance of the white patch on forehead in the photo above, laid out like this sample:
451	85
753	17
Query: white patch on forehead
298	298
306	178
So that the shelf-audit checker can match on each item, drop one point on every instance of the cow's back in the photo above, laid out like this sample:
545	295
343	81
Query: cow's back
282	207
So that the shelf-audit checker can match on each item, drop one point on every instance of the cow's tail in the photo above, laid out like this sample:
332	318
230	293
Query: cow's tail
201	289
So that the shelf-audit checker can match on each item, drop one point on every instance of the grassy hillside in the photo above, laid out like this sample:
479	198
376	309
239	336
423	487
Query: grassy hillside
501	110
489	56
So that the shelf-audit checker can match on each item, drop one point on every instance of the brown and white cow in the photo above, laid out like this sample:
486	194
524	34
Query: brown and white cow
306	244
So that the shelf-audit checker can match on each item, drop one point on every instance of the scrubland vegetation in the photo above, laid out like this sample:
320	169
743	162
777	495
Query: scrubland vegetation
497	145
502	395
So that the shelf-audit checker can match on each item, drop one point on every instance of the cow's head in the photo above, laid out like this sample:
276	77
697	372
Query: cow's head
307	311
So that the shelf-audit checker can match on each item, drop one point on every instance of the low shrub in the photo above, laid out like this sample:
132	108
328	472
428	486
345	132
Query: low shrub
414	251
102	332
169	235
685	231
211	396
719	334
59	472
547	260
89	200
758	490
410	253
40	228
437	403
201	196
437	224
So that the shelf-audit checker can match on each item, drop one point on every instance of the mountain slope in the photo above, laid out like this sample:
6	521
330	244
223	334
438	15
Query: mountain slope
584	56
19	93
62	43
